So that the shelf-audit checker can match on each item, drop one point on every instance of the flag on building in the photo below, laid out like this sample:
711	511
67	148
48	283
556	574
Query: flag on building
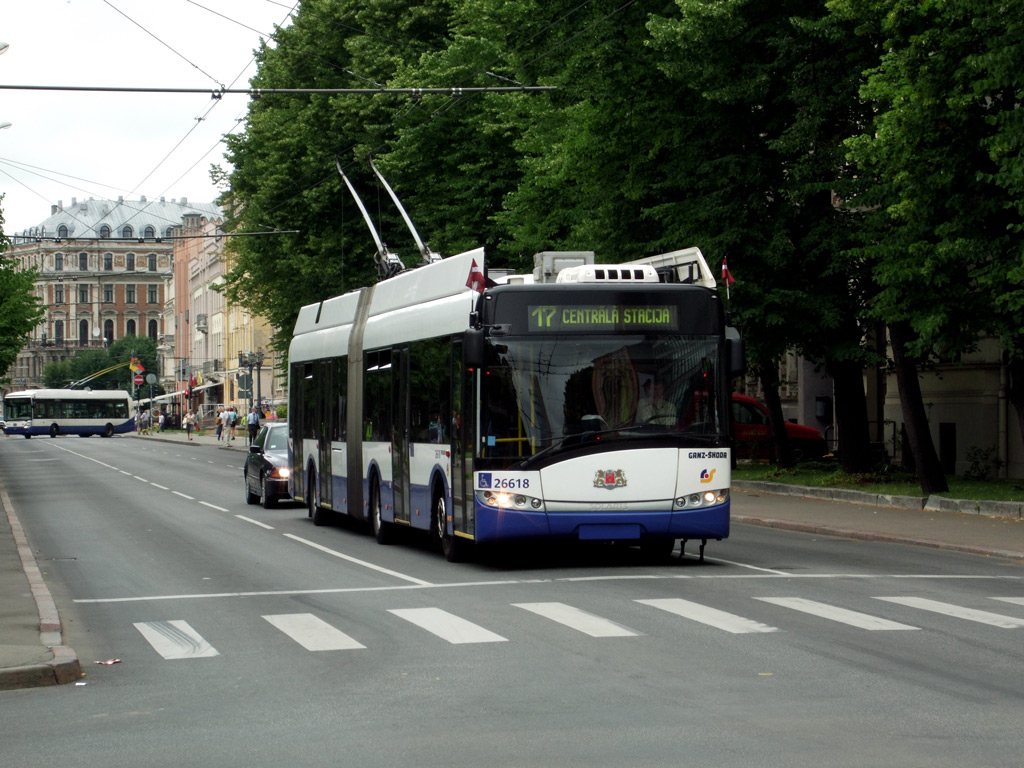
476	279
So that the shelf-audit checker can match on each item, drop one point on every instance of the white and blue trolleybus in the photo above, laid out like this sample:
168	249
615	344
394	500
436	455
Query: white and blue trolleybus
584	403
82	412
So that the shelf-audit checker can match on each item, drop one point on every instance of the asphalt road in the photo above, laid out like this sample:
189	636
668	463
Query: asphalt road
250	637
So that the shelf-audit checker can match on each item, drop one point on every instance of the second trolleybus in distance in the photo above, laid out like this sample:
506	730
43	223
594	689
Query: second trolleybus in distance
591	406
53	412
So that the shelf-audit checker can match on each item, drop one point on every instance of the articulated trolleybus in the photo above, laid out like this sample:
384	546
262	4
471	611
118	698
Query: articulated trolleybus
81	412
591	404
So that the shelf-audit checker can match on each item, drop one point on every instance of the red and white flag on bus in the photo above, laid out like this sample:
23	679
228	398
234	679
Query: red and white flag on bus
727	277
476	279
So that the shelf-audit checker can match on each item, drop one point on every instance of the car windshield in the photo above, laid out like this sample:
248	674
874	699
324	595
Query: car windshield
277	439
538	395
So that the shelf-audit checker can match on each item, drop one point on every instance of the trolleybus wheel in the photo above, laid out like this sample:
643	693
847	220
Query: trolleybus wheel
108	431
658	548
54	430
452	547
318	513
381	529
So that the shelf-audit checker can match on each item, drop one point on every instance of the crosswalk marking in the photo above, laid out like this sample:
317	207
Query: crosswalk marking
313	633
175	640
579	620
834	613
957	611
447	626
1016	600
713	617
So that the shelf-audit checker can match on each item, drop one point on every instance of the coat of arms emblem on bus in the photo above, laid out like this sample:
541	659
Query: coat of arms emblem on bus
609	478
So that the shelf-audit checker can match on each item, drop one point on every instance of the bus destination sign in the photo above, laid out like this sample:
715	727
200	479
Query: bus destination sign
552	318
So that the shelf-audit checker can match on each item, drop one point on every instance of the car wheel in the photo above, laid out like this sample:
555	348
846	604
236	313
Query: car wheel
250	497
266	499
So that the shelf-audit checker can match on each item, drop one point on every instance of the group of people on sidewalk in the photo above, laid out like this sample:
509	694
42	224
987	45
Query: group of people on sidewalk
228	419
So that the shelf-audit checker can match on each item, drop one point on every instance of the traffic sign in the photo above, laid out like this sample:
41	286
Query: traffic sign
138	378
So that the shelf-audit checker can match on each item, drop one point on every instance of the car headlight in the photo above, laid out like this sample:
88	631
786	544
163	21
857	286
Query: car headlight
282	472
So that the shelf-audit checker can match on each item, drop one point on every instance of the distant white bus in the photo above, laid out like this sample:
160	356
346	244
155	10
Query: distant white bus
55	412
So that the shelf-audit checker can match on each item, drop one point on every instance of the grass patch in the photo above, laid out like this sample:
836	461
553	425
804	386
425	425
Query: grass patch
887	479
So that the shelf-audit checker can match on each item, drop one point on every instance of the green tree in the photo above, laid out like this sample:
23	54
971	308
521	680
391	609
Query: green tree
20	309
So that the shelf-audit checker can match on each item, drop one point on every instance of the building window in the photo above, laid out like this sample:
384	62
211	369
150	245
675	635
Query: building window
108	262
152	262
58	294
169	232
129	328
108	294
152	297
104	231
62	231
83	294
129	294
83	262
83	333
58	331
152	329
58	262
108	331
131	262
127	231
149	233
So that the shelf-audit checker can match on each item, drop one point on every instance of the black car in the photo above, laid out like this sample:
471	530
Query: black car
266	467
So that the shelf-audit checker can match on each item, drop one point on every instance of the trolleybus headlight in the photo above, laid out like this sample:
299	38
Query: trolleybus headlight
502	500
704	499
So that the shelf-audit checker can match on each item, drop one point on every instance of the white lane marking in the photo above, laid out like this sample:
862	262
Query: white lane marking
255	522
213	506
313	633
1015	600
447	626
371	566
184	495
123	472
142	479
747	565
176	640
574	618
161	487
957	611
713	617
834	613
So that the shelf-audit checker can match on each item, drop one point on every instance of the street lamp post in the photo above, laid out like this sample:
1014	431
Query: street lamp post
259	377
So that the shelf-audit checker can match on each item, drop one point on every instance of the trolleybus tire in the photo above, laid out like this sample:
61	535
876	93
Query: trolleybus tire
108	431
54	430
316	512
657	548
452	547
381	529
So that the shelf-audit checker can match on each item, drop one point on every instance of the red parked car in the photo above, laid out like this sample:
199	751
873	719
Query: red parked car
754	435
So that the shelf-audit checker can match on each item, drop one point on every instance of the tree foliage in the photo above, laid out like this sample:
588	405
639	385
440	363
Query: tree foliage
20	308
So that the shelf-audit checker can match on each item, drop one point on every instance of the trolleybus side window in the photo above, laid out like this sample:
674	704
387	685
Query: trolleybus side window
377	396
429	390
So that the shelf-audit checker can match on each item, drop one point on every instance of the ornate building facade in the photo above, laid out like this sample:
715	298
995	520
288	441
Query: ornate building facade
104	268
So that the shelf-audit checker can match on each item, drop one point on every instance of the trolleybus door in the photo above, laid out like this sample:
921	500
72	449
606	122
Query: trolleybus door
400	439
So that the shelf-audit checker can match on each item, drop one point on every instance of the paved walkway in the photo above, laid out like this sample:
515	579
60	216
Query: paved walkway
32	652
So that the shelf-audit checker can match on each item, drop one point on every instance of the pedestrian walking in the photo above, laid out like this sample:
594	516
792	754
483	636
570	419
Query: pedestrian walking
161	417
219	422
253	423
233	421
190	421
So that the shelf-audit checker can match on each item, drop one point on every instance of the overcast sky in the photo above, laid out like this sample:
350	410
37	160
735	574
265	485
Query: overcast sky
64	144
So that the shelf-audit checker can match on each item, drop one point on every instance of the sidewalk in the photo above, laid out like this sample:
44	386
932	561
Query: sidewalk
32	653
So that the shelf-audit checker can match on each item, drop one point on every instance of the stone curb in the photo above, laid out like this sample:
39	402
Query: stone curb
1011	509
64	667
825	530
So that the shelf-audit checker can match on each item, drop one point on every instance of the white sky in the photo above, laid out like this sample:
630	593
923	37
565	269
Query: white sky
65	144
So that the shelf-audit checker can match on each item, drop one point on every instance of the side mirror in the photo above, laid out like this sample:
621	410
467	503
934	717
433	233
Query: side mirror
255	449
473	348
735	351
